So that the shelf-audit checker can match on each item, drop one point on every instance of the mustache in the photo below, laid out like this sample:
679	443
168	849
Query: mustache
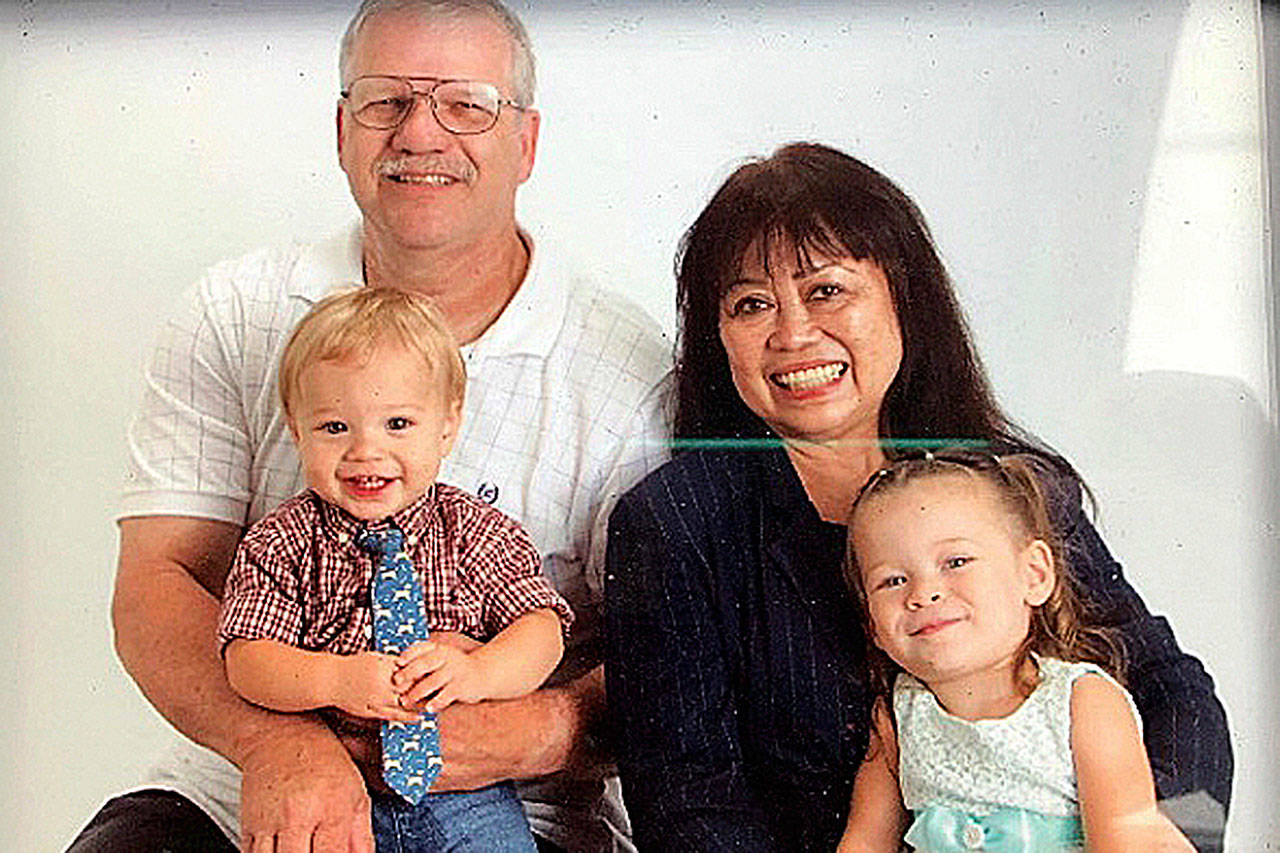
459	170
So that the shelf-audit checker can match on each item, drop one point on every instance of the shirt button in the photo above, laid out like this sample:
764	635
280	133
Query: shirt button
973	836
343	537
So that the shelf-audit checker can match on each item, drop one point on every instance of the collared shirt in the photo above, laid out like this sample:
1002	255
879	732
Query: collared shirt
564	412
300	578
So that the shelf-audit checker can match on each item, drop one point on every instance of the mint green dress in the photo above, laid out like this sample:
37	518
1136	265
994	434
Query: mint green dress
1002	785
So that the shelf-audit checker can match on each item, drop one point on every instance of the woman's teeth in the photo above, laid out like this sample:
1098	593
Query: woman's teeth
810	377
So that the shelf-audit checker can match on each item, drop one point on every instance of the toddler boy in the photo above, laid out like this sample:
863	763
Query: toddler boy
324	604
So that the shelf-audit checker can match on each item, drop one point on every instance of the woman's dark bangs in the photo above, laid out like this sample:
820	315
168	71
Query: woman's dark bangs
746	223
765	209
834	224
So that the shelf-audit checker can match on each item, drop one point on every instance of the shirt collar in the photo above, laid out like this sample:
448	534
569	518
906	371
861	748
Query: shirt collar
531	321
791	509
334	262
413	519
527	326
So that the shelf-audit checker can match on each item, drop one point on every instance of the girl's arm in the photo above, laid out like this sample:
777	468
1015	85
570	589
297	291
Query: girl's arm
1185	727
285	678
1117	795
877	817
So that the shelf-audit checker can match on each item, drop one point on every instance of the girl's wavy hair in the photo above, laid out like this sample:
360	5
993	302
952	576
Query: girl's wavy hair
1063	627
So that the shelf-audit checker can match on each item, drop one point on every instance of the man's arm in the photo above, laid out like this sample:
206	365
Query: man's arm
300	787
541	733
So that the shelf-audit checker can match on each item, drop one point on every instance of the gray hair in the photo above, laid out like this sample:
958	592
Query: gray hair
522	66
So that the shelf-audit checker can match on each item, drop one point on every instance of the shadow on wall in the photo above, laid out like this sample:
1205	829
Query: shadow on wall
1198	453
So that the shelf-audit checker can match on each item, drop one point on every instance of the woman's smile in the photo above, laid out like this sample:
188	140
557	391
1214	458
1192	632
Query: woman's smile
813	347
801	380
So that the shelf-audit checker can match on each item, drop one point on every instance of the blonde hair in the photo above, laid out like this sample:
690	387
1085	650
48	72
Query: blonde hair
351	324
1063	626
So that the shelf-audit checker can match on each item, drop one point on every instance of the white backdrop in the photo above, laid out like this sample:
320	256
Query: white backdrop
1093	175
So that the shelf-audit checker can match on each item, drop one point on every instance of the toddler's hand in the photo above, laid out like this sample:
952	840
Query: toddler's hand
440	674
363	687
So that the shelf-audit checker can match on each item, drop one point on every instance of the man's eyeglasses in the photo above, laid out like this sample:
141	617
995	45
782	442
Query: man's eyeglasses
464	107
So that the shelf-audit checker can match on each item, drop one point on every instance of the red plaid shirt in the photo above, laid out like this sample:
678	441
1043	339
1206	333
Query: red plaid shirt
300	578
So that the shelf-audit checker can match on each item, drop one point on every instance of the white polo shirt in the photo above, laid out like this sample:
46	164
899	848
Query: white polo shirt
565	410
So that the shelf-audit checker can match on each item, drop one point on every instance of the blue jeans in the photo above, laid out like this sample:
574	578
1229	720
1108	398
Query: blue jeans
490	820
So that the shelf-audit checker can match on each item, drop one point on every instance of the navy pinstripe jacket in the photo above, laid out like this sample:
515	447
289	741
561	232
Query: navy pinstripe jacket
734	662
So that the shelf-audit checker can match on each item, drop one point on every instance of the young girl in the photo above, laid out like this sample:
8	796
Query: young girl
1006	731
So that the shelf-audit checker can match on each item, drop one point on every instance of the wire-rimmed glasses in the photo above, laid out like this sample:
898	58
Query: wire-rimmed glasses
463	107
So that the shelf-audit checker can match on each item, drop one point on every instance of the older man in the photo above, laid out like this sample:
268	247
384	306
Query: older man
435	133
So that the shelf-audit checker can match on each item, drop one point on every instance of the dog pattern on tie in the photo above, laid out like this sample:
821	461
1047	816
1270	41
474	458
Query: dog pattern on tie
410	751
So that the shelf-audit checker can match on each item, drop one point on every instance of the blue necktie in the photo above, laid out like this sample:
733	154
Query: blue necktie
410	751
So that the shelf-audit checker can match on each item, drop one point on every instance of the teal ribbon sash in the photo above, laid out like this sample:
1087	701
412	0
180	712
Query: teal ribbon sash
939	829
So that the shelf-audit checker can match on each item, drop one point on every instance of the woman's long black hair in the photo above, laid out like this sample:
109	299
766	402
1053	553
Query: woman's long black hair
814	198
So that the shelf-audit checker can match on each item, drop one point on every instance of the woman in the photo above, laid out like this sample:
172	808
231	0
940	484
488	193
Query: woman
818	328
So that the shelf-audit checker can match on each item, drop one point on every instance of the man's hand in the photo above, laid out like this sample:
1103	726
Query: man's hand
300	791
363	686
434	675
303	795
